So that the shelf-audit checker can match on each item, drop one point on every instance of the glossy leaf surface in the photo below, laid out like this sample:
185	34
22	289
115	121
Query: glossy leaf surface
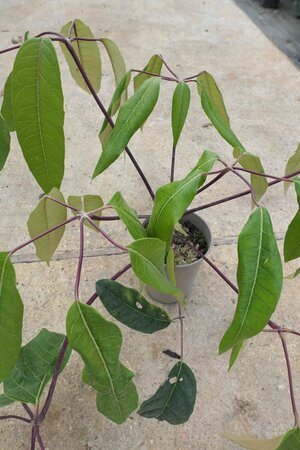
180	107
47	215
154	65
130	118
175	399
128	216
259	278
208	82
38	111
129	307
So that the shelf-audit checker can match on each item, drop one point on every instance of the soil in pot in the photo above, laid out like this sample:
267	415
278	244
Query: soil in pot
184	252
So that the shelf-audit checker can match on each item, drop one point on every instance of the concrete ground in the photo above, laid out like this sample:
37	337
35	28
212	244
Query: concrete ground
261	91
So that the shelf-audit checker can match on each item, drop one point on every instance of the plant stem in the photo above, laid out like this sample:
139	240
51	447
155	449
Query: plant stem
62	203
290	377
105	113
168	68
163	77
40	441
193	76
181	331
39	236
12	416
173	164
253	172
213	181
33	438
107	236
80	259
28	410
248	184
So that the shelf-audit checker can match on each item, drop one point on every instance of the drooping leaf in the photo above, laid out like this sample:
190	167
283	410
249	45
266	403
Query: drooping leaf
287	441
87	52
216	118
128	216
131	116
172	200
46	215
175	399
252	162
292	166
129	307
180	107
154	65
35	367
116	405
118	65
39	112
11	317
98	341
4	142
259	278
116	100
292	237
5	401
87	203
147	259
7	106
207	81
235	354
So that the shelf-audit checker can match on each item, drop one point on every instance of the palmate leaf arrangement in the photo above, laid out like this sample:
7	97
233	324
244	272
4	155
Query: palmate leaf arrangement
33	107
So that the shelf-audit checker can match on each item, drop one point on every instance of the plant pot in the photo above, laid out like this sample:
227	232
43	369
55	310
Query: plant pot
185	273
270	3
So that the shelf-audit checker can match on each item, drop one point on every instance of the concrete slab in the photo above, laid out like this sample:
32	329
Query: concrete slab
260	88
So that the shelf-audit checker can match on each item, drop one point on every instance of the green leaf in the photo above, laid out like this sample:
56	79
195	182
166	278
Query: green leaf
116	405
87	203
4	142
175	399
252	162
47	215
172	200
235	353
292	166
35	367
11	317
180	107
292	237
118	65
116	100
131	116
98	341
216	118
259	278
5	401
147	259
293	275
287	441
87	52
170	260
154	66
128	216
129	307
39	112
7	105
207	81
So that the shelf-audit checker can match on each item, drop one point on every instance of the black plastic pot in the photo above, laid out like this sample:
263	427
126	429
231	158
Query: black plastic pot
270	3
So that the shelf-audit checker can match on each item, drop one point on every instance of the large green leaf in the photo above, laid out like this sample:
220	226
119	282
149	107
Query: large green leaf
292	166
5	401
35	367
172	200
154	65
252	162
129	307
116	100
147	257
180	107
292	237
259	278
118	65
7	106
175	399
207	81
287	441
11	317
47	215
128	216
4	142
131	116
235	354
87	52
39	111
87	203
98	341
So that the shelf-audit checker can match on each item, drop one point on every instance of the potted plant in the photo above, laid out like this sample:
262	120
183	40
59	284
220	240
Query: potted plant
33	108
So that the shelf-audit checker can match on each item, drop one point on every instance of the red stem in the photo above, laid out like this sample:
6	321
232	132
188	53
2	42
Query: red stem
80	259
107	236
12	416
